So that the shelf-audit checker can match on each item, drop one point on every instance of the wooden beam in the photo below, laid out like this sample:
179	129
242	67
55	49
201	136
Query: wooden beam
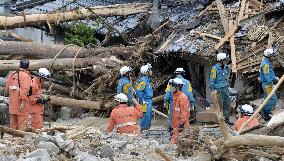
209	35
241	12
247	10
222	13
227	36
233	49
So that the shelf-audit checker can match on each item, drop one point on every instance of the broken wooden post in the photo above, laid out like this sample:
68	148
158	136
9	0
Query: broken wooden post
263	103
73	103
162	154
53	18
233	48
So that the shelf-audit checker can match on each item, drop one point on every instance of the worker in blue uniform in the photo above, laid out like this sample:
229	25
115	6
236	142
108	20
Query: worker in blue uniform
268	79
218	82
124	84
168	98
144	93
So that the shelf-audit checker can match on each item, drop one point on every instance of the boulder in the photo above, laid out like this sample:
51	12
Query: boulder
37	155
51	148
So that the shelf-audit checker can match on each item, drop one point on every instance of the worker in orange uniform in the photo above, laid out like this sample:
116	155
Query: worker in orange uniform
246	111
181	109
124	118
18	86
37	101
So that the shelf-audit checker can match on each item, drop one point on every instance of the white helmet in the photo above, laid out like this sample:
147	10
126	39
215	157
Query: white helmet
268	52
145	68
221	56
120	97
179	71
176	82
247	109
124	70
44	73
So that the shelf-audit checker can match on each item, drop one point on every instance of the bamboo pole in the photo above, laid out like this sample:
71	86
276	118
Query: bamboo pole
263	103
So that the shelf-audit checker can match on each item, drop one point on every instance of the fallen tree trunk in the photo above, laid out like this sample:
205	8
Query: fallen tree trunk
41	50
37	19
59	64
68	102
14	132
63	89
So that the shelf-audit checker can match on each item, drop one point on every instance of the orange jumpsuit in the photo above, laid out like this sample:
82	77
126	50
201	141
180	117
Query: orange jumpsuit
18	85
36	110
241	120
124	118
180	115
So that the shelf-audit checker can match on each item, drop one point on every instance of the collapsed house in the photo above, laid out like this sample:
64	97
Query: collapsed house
184	34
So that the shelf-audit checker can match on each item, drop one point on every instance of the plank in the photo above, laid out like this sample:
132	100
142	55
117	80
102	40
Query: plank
222	13
242	10
233	49
227	36
209	35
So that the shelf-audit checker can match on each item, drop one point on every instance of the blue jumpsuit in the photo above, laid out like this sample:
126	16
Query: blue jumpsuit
168	98
219	81
267	76
145	93
125	86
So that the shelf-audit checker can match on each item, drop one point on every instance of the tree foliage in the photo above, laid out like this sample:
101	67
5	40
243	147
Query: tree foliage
80	34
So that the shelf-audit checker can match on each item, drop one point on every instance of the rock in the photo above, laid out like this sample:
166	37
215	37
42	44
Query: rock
8	158
130	147
84	156
60	142
119	144
65	113
106	151
42	138
51	148
144	143
38	155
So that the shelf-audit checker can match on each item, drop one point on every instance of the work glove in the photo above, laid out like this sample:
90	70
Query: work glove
43	100
192	108
135	101
181	126
144	103
275	81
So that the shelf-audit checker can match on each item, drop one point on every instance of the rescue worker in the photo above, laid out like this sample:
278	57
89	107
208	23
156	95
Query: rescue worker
268	78
181	109
37	101
18	86
124	84
186	89
124	118
218	82
145	94
246	111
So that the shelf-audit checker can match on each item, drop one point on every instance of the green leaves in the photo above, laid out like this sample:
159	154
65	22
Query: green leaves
80	34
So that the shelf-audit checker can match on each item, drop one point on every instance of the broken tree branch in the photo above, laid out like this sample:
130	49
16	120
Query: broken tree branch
263	103
53	18
14	132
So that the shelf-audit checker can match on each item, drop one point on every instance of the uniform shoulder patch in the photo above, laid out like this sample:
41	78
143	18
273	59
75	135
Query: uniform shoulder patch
265	69
213	73
141	85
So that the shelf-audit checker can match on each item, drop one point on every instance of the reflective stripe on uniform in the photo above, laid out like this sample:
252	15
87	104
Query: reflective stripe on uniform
177	109
125	124
13	87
